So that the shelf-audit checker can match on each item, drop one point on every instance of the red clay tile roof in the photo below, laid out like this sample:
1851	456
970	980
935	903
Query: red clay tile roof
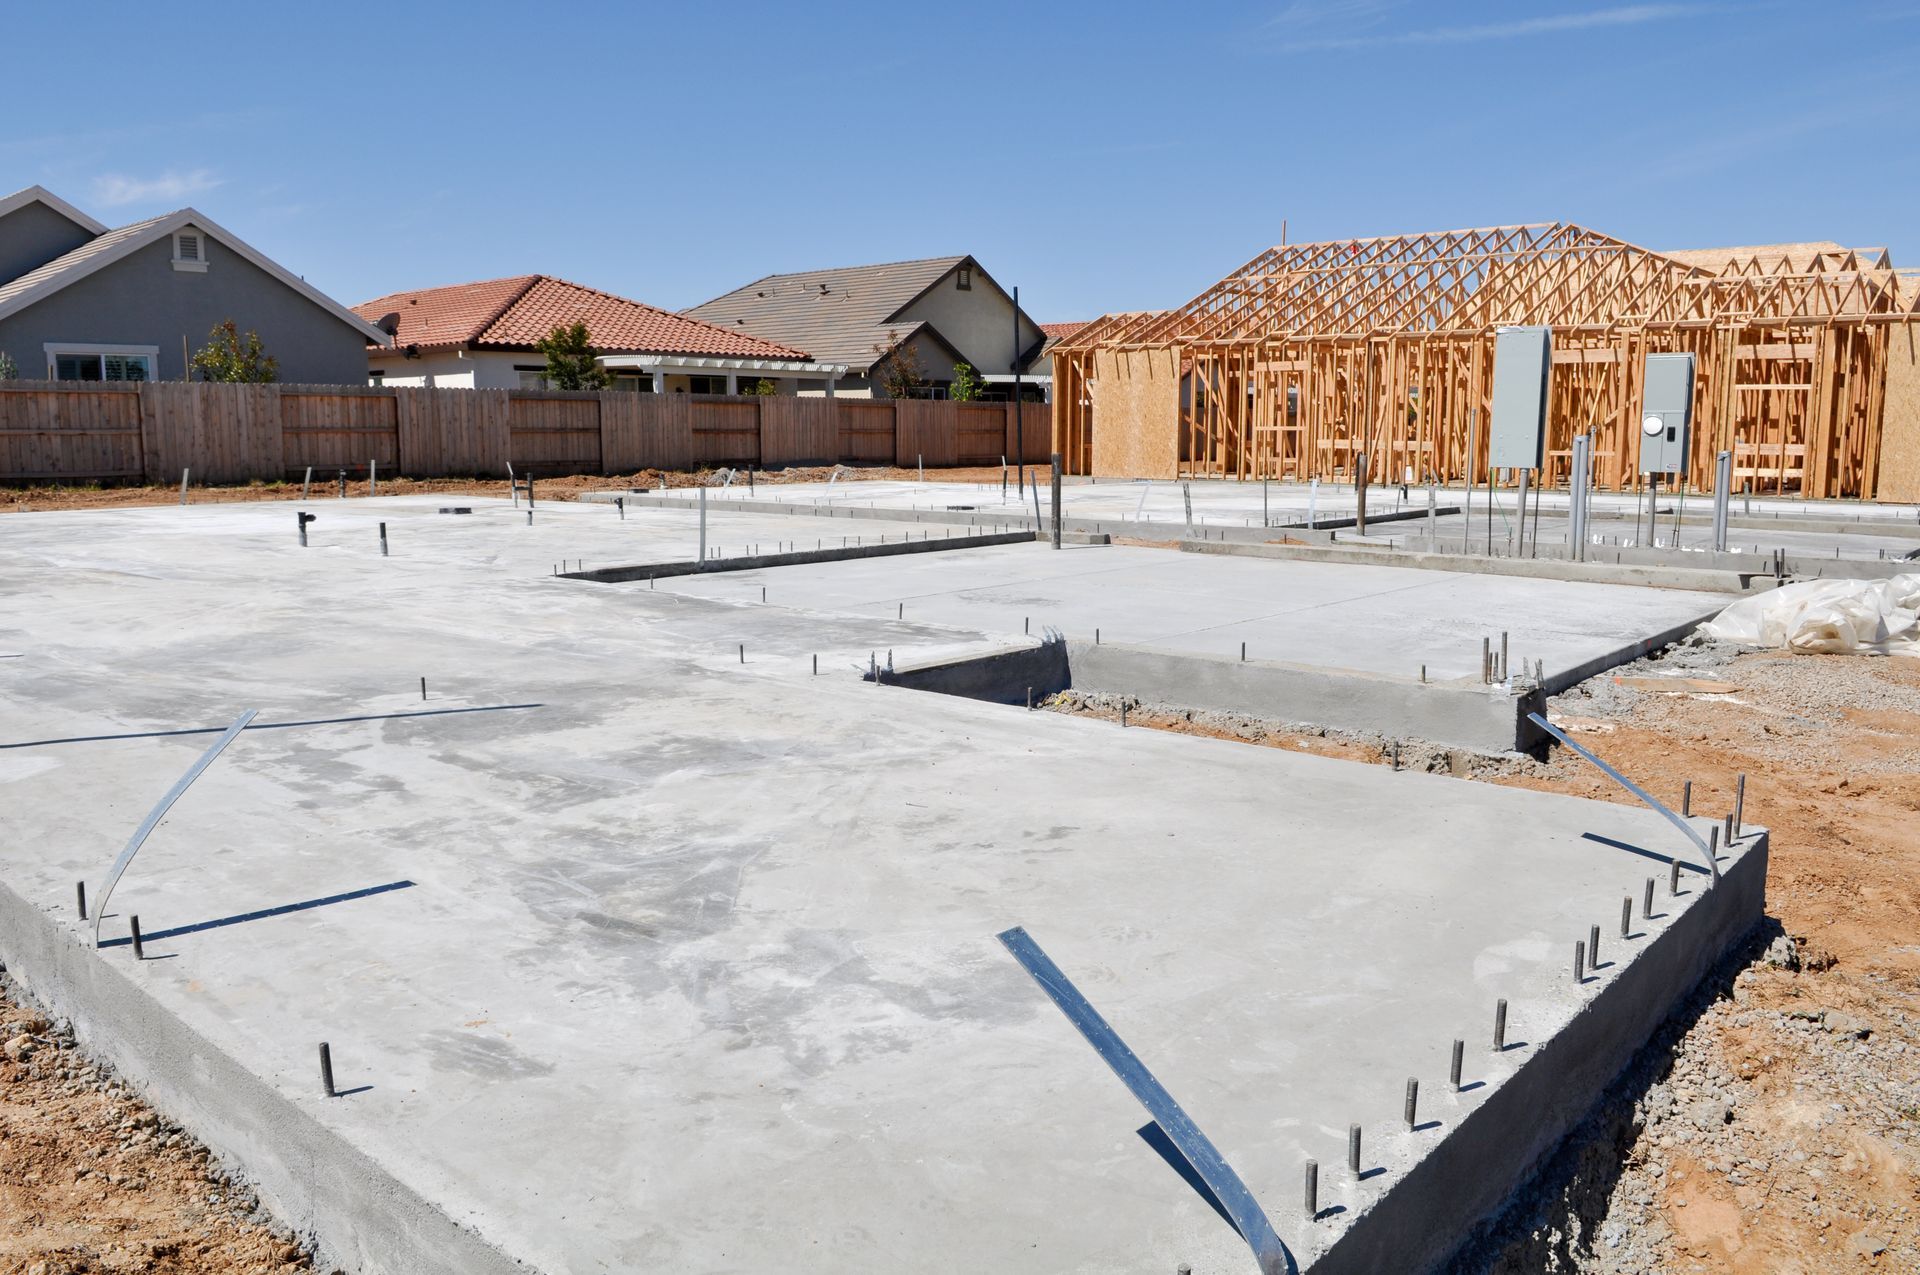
515	313
1061	331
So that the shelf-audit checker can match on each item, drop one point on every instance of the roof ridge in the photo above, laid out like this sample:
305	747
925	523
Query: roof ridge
518	295
872	265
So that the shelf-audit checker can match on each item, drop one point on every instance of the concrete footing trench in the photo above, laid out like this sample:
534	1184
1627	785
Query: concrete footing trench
651	920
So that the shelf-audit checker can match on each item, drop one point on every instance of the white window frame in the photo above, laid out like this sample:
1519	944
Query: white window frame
198	265
55	349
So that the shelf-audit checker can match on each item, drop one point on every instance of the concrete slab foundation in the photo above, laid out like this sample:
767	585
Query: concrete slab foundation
636	955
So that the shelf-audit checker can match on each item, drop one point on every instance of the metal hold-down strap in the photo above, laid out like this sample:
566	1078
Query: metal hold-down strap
1245	1211
159	812
1706	852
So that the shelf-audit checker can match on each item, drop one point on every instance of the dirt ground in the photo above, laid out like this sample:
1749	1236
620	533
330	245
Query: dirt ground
93	1183
93	496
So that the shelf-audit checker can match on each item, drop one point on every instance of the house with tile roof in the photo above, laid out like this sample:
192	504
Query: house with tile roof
82	302
941	311
483	336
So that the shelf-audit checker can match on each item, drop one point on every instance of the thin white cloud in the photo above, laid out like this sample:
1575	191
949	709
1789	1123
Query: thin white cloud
1357	24
115	189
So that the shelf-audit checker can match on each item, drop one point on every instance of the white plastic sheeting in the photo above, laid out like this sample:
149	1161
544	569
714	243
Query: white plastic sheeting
1849	617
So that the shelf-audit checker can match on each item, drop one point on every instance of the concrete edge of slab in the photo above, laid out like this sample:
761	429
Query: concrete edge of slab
1474	1170
1462	714
1661	577
314	1180
664	570
1559	681
1009	514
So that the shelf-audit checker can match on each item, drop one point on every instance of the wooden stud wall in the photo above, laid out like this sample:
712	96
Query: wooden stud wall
1312	354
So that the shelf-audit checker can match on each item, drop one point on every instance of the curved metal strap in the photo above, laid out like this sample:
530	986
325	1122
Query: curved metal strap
1713	865
1248	1217
159	812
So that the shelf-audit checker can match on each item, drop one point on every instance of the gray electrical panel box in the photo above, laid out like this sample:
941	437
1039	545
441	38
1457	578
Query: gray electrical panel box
1666	412
1522	360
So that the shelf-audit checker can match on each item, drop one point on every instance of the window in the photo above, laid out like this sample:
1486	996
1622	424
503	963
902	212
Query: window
532	377
640	384
377	377
189	250
101	362
706	385
964	280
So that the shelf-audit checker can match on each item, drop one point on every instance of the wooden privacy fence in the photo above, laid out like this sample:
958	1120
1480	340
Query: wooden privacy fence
108	431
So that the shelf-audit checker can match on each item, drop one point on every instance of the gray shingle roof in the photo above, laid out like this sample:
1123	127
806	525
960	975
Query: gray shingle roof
838	316
77	260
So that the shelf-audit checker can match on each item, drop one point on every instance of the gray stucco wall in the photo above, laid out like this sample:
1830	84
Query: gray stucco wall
33	235
142	300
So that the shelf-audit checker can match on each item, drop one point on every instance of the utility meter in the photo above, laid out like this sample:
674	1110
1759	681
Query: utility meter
1666	413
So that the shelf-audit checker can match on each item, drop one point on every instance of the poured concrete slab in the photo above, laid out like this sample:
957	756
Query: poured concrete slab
634	956
1373	619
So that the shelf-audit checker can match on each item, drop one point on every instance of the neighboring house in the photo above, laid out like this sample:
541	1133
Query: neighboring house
944	310
482	336
80	302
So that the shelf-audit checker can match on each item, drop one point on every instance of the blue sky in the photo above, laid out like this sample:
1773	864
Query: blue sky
1102	156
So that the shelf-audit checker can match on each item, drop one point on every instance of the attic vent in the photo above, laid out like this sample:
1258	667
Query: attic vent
189	251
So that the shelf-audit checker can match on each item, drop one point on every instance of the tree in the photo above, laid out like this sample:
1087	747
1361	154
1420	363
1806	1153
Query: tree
762	388
967	385
227	356
900	370
571	364
9	370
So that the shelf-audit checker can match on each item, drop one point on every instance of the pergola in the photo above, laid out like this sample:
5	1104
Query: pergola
1314	354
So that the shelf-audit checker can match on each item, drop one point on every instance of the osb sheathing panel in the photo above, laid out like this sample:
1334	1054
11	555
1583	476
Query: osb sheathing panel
1136	413
1900	427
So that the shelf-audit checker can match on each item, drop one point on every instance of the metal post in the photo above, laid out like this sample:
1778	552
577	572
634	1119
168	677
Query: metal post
1312	1200
1313	502
326	1069
383	539
1056	500
1686	800
306	482
1593	946
703	524
1019	412
1433	514
1739	802
139	951
80	895
301	520
1466	522
1266	519
1722	497
1459	1057
1580	961
1353	1147
1413	1102
373	477
183	485
1646	902
1520	523
1576	501
1626	916
1360	484
1500	1026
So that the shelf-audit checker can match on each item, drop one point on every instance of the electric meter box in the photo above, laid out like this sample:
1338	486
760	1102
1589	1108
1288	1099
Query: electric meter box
1666	412
1517	434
